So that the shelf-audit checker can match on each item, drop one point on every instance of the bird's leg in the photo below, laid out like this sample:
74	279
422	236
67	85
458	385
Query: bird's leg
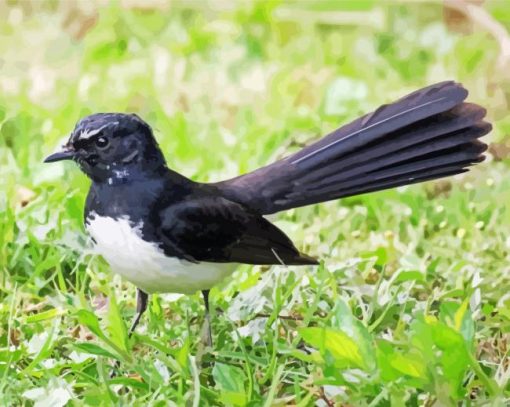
207	322
141	306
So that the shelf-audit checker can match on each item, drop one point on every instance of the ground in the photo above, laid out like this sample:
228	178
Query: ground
410	304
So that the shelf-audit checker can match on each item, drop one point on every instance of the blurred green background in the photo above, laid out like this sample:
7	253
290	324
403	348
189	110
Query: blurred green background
411	303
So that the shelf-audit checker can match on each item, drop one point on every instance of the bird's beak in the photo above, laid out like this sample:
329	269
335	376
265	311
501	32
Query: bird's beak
66	153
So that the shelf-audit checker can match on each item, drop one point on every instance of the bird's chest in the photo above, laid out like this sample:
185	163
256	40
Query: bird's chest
120	241
122	244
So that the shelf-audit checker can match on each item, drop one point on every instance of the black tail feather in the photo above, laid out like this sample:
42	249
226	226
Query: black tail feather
426	135
439	151
426	131
396	174
386	119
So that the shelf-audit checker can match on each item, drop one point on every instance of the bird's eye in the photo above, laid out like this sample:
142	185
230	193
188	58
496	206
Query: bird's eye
101	142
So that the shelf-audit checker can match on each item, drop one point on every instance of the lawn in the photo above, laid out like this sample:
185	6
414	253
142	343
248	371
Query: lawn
410	305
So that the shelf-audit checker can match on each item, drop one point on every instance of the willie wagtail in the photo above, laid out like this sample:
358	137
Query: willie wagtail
167	233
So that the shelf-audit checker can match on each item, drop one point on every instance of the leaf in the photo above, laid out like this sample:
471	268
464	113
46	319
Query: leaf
115	325
182	354
314	357
384	353
41	316
444	349
395	364
422	336
410	364
406	275
341	347
446	338
88	319
93	349
454	358
454	364
230	380
356	330
463	321
380	255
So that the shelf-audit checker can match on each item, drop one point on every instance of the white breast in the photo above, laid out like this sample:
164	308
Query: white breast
145	265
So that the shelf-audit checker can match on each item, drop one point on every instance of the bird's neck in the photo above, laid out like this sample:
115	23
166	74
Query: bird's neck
123	174
134	195
127	175
115	176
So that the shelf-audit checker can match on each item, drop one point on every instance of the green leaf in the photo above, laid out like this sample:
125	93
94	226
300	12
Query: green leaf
422	337
88	319
93	349
354	328
314	357
395	364
409	275
446	337
380	254
444	349
41	316
182	354
115	325
459	317
341	347
384	353
454	363
230	380
410	364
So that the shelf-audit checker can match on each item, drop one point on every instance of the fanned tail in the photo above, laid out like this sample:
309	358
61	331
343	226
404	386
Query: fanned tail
428	134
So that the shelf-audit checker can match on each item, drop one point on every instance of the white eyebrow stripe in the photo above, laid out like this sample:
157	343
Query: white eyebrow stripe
86	134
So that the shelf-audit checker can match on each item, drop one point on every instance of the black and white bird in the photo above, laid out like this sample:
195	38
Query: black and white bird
166	233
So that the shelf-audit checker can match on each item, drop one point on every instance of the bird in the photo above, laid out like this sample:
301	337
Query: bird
164	232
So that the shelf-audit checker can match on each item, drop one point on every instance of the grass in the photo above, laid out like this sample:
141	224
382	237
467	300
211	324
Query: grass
410	305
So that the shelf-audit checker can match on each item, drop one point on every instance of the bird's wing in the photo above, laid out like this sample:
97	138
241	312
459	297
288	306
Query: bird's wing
218	230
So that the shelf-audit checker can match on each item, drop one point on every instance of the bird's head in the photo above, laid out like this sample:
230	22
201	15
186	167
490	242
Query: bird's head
111	146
